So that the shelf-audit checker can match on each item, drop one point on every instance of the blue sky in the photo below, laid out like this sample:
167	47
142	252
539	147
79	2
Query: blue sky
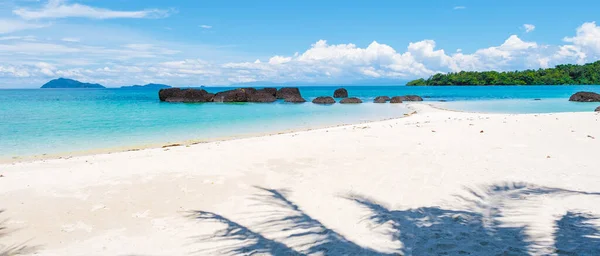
120	42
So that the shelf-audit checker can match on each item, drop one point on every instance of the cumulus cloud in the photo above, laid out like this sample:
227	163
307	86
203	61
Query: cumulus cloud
206	26
528	28
60	9
585	45
459	7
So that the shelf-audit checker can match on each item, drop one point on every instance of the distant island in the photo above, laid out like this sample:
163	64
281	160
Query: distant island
66	83
588	74
148	86
70	83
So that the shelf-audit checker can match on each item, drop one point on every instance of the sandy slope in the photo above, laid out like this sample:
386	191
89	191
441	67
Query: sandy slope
434	182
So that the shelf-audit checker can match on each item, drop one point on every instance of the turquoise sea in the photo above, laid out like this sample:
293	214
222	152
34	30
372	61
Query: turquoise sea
54	121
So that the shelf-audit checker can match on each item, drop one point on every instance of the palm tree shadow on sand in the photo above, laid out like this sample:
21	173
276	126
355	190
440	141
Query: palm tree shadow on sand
15	249
575	235
288	230
300	234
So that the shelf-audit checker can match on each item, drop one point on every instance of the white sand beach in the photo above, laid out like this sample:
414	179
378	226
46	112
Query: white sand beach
432	183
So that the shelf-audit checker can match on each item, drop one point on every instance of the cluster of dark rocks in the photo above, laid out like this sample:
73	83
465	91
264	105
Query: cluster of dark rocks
586	97
264	95
343	93
397	99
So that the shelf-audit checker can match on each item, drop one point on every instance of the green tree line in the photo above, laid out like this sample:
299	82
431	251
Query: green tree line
569	74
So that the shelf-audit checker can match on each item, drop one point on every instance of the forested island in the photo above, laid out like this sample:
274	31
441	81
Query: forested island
588	74
65	83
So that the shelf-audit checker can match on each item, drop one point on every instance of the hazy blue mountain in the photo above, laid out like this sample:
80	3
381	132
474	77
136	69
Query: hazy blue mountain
69	83
148	86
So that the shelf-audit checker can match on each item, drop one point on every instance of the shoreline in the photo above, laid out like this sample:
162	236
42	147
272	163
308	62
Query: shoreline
184	143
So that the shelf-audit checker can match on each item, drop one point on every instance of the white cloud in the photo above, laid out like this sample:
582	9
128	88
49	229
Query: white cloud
459	7
586	43
60	9
205	26
528	28
279	60
9	26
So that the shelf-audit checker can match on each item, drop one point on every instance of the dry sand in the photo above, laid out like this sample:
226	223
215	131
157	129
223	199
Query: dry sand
432	183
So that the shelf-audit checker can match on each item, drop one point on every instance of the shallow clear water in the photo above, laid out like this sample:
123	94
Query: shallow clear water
34	122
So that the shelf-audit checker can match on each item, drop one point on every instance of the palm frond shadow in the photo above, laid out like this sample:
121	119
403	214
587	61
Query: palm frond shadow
575	235
15	249
297	232
242	240
284	228
433	230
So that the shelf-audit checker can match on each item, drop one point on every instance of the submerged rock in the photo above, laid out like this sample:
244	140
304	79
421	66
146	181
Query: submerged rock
295	99
381	99
585	97
288	92
185	95
324	100
352	100
340	93
396	99
597	109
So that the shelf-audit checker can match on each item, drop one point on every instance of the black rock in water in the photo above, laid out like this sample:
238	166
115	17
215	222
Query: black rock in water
185	95
381	99
235	95
597	109
261	97
585	97
352	100
324	100
70	83
288	92
340	93
411	98
396	99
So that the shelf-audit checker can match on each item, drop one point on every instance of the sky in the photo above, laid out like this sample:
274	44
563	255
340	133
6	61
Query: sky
201	42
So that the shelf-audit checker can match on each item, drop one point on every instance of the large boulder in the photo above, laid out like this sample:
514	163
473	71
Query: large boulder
340	93
288	92
185	95
597	109
585	97
381	99
396	99
324	100
352	100
411	98
235	95
261	96
163	94
295	99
